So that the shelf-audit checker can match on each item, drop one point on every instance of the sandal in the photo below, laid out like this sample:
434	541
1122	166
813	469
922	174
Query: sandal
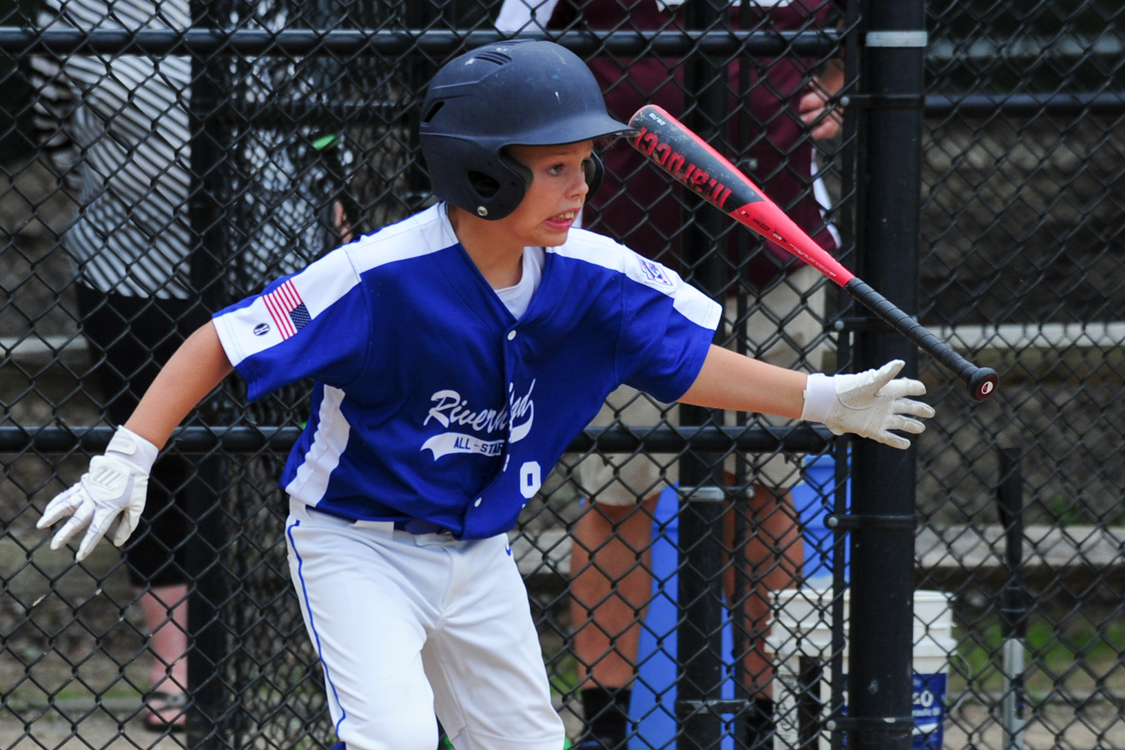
166	712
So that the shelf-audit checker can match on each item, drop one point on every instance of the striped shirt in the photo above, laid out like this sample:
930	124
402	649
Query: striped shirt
117	130
130	170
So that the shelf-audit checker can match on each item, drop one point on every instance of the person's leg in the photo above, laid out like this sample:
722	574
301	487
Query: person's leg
165	614
611	584
369	601
610	587
483	657
154	557
611	579
129	339
766	531
155	560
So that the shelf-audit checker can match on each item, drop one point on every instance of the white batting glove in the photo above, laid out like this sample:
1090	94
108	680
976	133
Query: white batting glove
868	404
115	484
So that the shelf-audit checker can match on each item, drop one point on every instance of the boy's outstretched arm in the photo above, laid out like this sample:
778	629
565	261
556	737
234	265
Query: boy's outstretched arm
118	480
196	369
869	404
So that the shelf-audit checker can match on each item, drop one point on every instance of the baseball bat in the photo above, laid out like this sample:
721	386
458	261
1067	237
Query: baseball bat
677	150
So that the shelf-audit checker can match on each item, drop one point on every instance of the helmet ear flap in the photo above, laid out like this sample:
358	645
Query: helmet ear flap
593	169
508	193
522	172
595	172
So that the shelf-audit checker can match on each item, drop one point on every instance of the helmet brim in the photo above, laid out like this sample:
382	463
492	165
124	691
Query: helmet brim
586	127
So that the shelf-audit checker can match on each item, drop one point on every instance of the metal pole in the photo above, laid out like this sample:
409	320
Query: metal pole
882	566
419	15
1013	607
699	641
845	351
210	137
699	704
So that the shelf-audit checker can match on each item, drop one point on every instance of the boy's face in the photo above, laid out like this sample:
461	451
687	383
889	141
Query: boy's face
555	196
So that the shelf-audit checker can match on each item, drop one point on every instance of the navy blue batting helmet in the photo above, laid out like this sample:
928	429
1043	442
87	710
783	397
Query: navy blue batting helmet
518	93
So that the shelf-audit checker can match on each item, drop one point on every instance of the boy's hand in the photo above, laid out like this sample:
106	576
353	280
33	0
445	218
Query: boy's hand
116	483
869	404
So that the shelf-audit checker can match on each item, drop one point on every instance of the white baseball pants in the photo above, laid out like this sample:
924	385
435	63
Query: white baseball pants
406	625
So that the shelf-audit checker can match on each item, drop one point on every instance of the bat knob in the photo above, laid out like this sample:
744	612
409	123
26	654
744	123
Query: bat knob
983	383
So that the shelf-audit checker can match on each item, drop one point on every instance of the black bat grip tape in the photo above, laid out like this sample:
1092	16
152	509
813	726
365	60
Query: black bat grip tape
982	381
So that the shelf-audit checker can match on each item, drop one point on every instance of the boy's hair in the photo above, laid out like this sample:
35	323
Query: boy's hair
518	93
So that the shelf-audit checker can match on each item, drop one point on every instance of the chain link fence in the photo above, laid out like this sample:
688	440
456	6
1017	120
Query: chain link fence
180	155
1022	162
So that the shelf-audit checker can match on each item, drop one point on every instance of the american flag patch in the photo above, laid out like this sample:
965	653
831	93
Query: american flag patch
287	309
654	273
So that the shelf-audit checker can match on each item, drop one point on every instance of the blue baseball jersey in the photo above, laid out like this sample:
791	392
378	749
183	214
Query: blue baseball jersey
431	401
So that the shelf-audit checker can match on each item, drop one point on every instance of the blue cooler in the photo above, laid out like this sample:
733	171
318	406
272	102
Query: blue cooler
653	704
814	501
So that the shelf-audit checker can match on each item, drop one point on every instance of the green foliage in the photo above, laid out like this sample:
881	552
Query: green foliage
1065	511
1073	653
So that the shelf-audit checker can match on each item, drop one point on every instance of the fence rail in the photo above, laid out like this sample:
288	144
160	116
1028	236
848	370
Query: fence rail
253	440
403	44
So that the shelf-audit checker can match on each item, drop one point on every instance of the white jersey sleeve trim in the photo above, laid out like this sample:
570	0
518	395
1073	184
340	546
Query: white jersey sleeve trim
257	326
401	241
602	251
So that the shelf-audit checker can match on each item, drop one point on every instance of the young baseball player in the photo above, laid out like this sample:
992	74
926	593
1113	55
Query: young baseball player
456	354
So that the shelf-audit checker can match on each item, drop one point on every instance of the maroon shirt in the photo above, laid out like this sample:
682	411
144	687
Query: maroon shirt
639	206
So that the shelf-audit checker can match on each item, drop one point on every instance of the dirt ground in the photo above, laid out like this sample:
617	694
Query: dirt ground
1100	725
80	724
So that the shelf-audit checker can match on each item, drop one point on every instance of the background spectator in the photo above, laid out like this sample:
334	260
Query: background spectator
785	100
117	131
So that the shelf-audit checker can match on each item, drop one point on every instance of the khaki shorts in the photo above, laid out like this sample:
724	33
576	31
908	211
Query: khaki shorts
787	324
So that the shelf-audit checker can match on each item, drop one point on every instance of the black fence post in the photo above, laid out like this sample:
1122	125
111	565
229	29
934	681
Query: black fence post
889	102
700	595
699	643
1014	600
208	206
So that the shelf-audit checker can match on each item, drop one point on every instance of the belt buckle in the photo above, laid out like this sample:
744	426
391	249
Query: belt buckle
418	527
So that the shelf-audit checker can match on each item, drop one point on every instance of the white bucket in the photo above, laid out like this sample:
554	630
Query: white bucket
801	640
